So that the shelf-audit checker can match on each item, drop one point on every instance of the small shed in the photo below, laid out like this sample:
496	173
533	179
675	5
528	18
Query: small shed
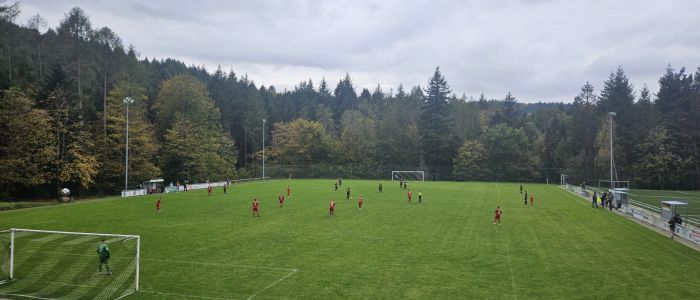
670	208
620	196
154	185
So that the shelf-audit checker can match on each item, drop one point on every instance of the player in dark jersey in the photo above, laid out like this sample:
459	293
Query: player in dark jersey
594	200
103	252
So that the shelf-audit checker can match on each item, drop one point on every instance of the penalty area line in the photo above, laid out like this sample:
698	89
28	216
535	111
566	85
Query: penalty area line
273	284
184	295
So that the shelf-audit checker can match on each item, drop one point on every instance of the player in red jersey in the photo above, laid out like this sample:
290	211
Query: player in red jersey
158	205
256	207
497	219
359	202
410	195
331	209
209	190
289	191
532	200
281	199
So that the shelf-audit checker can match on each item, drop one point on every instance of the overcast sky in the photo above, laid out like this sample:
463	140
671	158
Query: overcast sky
540	50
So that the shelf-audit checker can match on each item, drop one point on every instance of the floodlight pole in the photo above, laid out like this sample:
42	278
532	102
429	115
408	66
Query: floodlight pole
263	159
127	101
611	114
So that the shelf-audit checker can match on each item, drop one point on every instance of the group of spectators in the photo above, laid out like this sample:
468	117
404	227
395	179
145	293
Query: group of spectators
604	200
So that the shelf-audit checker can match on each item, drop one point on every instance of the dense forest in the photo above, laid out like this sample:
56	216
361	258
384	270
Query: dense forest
62	122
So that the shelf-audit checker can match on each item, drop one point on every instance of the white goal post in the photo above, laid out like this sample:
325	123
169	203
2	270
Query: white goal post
47	264
408	175
615	184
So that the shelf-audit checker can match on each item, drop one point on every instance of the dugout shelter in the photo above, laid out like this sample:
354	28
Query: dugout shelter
670	208
154	185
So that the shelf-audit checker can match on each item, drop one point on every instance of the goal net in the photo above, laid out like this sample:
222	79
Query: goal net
408	175
43	264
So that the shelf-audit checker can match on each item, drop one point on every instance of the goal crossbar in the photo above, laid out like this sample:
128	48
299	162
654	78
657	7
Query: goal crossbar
614	183
71	233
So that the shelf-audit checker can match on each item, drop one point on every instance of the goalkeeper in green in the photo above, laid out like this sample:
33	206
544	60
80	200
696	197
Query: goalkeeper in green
103	252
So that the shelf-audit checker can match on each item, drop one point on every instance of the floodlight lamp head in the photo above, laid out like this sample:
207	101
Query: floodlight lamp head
612	113
128	100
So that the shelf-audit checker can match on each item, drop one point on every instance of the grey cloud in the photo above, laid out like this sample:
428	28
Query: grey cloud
537	49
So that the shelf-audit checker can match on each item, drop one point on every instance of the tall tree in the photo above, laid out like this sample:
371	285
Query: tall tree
436	140
301	142
28	149
8	12
509	113
184	96
617	96
345	97
674	101
470	162
508	153
658	162
585	120
142	149
186	115
359	132
76	24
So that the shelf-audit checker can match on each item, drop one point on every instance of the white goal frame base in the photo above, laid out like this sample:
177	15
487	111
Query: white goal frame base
421	174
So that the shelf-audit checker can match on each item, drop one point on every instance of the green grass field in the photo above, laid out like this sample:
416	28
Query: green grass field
654	198
202	247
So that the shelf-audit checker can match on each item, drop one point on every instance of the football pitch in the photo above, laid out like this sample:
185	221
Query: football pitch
654	198
210	247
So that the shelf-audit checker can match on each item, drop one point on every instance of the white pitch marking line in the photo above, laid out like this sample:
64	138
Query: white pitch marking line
184	295
273	284
127	294
27	296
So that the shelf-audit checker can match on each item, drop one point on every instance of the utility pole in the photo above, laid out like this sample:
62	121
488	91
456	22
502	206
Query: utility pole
611	114
263	137
127	101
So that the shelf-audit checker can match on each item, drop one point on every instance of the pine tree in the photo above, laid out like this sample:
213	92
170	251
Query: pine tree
434	128
618	96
